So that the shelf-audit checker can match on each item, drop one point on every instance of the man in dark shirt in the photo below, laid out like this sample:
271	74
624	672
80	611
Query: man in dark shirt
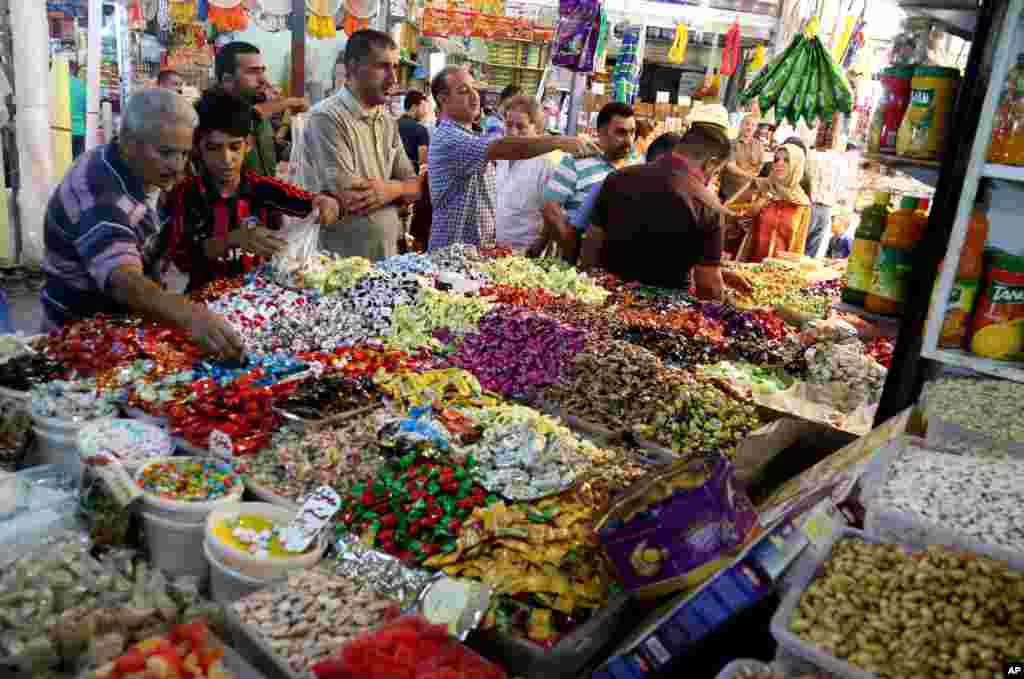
650	224
219	218
411	129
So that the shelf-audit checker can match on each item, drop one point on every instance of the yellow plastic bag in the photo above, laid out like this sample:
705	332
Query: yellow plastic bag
677	53
757	63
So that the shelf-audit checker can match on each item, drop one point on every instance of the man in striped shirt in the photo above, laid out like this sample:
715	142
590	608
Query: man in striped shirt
574	178
104	239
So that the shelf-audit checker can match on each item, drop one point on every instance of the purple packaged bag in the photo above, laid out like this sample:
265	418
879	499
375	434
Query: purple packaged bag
575	24
678	527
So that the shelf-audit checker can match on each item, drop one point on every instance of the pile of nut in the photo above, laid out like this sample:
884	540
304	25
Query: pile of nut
312	616
896	614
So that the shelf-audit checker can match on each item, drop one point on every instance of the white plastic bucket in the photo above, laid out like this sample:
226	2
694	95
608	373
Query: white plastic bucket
228	586
57	425
59	449
187	512
258	566
176	548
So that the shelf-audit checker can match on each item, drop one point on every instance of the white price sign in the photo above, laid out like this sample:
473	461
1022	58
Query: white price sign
220	445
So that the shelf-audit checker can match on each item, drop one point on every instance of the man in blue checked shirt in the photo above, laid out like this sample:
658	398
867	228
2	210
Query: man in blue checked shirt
575	177
461	164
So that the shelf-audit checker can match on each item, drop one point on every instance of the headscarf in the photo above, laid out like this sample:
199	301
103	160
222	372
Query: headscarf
788	188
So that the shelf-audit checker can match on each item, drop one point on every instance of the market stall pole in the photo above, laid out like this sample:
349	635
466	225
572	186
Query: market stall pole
963	166
95	44
298	81
35	158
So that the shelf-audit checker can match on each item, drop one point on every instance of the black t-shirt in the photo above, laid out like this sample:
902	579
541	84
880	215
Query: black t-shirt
653	235
414	135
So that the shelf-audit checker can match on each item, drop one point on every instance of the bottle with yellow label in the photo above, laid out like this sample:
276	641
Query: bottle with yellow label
861	264
932	96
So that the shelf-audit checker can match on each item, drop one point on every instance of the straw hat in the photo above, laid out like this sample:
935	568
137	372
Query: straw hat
711	114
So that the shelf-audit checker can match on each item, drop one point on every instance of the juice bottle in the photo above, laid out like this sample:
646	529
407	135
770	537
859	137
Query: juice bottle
894	263
964	294
1008	127
866	243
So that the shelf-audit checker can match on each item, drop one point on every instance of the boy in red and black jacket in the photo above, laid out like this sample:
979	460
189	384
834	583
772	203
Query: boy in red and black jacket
221	222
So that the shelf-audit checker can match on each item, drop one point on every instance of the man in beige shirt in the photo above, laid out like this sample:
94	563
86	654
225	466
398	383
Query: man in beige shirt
352	149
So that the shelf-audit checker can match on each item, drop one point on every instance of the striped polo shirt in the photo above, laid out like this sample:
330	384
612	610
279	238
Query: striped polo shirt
573	178
98	219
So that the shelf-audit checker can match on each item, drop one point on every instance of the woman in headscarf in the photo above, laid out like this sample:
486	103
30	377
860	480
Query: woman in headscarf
784	217
748	157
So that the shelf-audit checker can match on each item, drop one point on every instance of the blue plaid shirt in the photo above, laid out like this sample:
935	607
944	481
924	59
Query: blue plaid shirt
462	188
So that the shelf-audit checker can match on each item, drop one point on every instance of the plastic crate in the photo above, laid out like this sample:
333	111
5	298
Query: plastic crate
253	646
733	669
955	439
522	657
793	645
892	525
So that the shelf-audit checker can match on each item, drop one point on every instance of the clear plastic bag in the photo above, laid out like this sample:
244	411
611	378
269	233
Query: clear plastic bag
302	237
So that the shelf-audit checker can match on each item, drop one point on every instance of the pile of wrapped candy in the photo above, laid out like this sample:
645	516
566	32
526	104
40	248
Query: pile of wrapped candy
475	412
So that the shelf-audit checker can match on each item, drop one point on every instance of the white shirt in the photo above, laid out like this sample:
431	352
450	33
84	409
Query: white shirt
521	185
830	174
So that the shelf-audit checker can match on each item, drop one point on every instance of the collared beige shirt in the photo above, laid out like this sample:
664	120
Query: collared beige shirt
342	142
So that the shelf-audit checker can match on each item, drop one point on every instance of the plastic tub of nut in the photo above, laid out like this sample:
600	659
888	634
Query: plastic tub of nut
743	668
522	657
252	645
805	650
892	524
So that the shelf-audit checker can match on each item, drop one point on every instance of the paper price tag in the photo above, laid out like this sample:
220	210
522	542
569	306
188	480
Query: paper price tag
317	510
661	97
220	445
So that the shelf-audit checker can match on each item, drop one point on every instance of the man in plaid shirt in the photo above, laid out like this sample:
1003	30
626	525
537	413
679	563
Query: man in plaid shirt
460	165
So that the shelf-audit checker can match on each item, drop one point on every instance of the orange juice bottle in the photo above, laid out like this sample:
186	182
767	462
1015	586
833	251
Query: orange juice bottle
1008	127
894	264
964	294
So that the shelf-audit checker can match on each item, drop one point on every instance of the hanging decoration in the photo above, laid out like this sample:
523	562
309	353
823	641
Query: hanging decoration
272	15
802	83
320	22
228	15
839	49
677	53
757	62
731	51
183	11
149	9
136	19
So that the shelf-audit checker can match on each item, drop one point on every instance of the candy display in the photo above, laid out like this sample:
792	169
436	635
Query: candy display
299	461
188	480
522	272
76	400
432	386
23	372
188	648
383	573
523	550
311	616
327	396
777	285
323	273
890	595
253	535
407	647
413	326
414	508
60	604
127	441
517	352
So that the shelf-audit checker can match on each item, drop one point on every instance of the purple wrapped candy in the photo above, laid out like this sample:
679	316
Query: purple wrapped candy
516	351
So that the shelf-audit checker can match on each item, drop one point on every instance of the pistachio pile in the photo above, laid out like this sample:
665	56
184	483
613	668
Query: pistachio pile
932	614
988	407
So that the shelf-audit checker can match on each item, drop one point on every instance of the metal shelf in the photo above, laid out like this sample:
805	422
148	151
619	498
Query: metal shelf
1009	172
958	17
924	171
986	366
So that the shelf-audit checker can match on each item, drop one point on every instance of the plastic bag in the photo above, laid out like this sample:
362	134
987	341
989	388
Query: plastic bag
303	238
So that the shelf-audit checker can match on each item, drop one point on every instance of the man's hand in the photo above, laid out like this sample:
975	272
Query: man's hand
736	282
214	333
298	104
366	195
579	147
328	207
260	241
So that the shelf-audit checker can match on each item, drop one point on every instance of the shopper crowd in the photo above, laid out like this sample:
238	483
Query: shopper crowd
188	194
